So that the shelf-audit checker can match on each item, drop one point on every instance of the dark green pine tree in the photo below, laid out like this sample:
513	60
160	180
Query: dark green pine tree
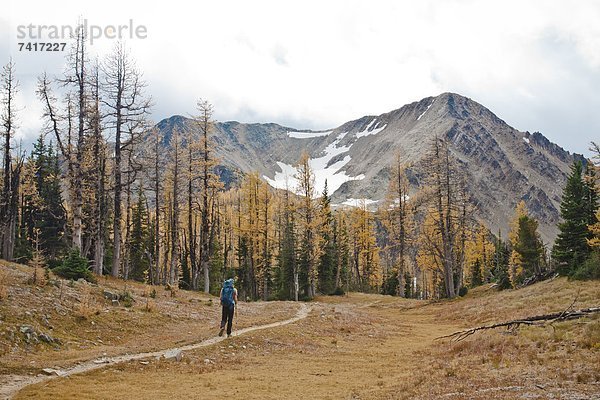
327	260
53	218
244	278
140	240
571	247
408	289
501	260
47	215
476	274
287	257
390	284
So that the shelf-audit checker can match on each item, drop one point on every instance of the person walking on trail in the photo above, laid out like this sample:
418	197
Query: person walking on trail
228	301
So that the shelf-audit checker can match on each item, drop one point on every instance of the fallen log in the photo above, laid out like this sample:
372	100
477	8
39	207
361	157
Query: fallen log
538	320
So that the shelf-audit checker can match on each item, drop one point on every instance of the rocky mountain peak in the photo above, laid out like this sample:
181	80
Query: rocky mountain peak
502	165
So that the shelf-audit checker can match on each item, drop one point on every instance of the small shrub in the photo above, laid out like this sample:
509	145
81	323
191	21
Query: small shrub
38	277
87	305
149	292
150	305
172	290
126	298
75	267
54	263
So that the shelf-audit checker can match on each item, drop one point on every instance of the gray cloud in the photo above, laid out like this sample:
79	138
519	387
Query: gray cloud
336	61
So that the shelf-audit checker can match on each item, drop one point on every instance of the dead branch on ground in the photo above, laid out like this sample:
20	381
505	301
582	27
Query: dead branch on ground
539	320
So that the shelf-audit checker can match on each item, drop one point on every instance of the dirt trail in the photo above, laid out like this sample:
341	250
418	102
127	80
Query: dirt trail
15	383
342	350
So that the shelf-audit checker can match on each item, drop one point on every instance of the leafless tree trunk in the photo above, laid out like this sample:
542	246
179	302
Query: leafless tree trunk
72	151
80	80
154	177
173	275
192	165
126	105
99	152
204	122
9	195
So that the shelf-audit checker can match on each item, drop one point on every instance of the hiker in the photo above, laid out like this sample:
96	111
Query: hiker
228	301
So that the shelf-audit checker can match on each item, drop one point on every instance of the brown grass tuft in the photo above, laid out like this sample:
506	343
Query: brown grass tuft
3	285
150	305
87	305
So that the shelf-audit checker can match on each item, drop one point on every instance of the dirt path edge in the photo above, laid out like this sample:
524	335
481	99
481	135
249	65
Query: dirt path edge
15	383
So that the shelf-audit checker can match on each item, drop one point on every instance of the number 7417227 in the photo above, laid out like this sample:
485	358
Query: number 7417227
42	46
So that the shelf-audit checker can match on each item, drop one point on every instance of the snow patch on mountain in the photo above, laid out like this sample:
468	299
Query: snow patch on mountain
321	168
307	135
373	131
359	202
526	140
396	203
428	107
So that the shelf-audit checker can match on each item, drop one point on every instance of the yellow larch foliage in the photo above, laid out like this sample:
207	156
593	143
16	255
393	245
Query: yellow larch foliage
479	247
515	267
595	229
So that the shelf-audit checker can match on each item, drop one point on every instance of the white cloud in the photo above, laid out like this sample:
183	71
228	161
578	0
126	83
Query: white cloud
315	64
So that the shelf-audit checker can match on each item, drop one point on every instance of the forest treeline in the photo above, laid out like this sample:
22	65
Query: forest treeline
103	192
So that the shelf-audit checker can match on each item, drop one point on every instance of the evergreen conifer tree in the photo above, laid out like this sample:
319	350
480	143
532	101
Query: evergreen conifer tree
571	247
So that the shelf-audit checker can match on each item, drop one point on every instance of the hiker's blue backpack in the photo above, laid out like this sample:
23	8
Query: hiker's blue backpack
227	293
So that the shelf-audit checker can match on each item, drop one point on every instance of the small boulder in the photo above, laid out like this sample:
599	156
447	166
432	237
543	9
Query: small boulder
26	329
46	338
31	338
51	371
110	295
46	322
175	354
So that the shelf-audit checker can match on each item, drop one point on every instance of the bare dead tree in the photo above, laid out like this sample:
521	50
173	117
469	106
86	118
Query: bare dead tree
155	178
60	124
99	154
9	196
208	182
77	76
125	104
173	268
193	148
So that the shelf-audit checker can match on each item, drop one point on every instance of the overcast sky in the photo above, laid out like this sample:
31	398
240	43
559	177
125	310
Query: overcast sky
318	64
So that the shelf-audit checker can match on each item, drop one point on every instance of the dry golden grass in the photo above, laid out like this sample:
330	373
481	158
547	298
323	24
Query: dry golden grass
3	284
366	347
87	305
484	304
89	326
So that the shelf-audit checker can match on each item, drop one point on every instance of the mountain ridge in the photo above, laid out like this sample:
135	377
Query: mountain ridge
502	164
